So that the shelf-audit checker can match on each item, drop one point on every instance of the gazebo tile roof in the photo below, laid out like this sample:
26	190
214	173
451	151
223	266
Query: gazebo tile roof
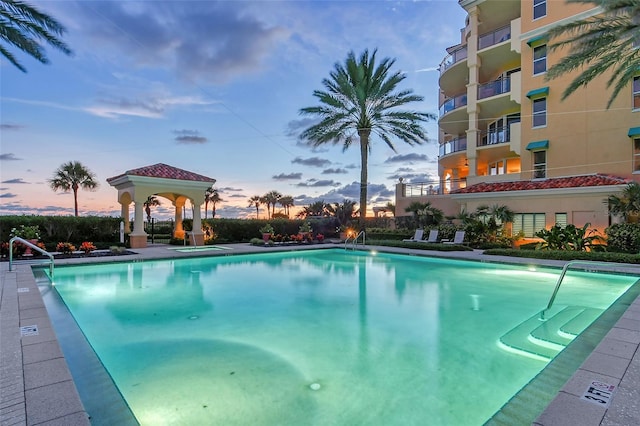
552	183
164	171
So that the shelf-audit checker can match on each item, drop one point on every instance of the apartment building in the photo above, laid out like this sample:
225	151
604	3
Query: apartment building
507	138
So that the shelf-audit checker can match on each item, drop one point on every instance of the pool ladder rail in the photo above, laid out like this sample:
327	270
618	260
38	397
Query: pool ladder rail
32	247
354	240
602	266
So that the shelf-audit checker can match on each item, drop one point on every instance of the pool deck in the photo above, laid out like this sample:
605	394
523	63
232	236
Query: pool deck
36	387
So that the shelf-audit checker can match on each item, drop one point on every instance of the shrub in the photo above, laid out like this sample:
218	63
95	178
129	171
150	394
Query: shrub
87	247
623	238
569	238
65	248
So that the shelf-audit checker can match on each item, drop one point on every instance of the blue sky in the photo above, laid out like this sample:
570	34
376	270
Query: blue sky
214	88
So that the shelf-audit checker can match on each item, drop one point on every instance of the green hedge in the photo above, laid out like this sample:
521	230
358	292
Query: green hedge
55	229
623	238
243	230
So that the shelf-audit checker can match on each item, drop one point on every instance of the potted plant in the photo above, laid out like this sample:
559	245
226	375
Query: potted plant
30	233
320	238
267	231
305	230
87	247
65	248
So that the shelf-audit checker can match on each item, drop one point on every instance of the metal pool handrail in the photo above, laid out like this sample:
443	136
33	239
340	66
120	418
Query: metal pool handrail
609	265
33	247
355	240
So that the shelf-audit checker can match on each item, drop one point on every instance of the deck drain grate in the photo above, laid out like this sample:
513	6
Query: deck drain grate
29	330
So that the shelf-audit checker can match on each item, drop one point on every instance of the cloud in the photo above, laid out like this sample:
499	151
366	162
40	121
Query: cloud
407	158
237	196
230	189
9	157
295	127
313	161
8	195
11	126
16	180
428	69
189	137
336	171
318	183
287	176
404	170
375	193
223	41
429	178
146	105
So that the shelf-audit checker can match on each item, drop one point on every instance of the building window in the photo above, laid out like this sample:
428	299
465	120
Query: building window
540	59
528	223
539	8
540	112
636	155
539	164
636	92
561	219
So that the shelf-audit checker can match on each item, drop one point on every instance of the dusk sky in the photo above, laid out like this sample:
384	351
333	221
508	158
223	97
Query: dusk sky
214	88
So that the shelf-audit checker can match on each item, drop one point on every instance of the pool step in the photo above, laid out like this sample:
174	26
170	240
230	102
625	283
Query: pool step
545	339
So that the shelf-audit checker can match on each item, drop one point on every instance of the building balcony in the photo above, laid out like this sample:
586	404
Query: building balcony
499	97
457	55
494	37
450	104
454	72
493	88
495	136
454	145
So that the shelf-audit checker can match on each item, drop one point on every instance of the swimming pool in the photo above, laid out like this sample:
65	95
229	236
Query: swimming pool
317	337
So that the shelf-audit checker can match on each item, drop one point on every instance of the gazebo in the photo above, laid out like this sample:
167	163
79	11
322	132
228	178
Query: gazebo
172	183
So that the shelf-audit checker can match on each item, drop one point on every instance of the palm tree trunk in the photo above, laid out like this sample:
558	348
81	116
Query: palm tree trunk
364	153
75	197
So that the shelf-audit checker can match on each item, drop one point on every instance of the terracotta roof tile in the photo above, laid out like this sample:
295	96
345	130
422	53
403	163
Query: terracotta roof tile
164	171
552	183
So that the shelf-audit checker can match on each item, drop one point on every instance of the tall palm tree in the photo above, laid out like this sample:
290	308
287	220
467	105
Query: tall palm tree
211	195
316	209
271	199
600	43
342	212
25	27
72	176
256	201
361	98
152	201
286	201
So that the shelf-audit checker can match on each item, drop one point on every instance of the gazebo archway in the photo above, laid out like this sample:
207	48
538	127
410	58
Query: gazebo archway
176	185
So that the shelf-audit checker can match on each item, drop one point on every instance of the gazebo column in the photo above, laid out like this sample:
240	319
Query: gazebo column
124	212
178	230
196	236
138	238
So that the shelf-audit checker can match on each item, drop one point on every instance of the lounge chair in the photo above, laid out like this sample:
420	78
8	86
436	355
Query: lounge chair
433	237
416	237
457	239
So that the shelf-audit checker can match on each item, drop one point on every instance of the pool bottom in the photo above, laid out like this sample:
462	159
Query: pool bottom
526	405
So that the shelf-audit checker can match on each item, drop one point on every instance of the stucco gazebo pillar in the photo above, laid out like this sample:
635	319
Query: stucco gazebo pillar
178	230
138	238
124	212
196	236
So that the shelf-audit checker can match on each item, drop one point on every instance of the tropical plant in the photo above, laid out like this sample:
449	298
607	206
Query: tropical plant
342	212
495	218
65	248
570	237
424	214
87	247
316	209
211	195
361	98
72	176
305	228
267	229
31	232
607	41
626	205
271	199
255	201
152	201
391	208
286	201
25	27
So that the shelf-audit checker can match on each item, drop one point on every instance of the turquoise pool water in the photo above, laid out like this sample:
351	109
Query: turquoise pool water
317	337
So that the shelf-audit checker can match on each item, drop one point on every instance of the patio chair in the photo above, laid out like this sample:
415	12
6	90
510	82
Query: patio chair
432	238
458	238
416	237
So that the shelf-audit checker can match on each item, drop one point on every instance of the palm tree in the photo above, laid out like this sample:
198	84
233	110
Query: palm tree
271	199
391	208
286	201
342	212
212	196
256	200
361	98
152	201
317	209
600	43
627	205
71	176
25	27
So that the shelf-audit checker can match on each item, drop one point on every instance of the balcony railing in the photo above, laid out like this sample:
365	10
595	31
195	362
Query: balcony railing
454	145
456	56
421	189
453	103
494	37
493	88
495	136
